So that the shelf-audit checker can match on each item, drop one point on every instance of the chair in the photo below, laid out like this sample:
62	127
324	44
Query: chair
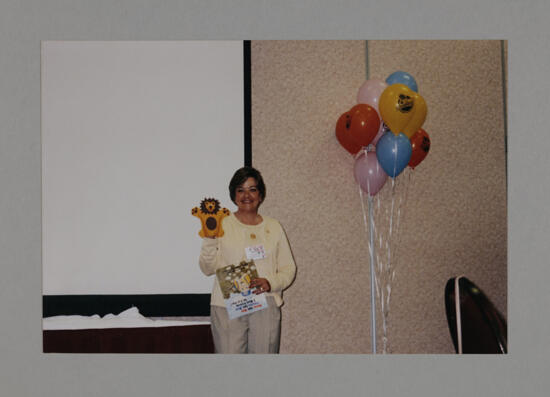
475	324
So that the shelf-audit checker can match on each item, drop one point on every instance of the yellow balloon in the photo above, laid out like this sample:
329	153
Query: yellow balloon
402	109
418	118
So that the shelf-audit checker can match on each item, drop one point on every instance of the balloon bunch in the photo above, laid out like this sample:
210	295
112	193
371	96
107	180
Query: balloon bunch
387	120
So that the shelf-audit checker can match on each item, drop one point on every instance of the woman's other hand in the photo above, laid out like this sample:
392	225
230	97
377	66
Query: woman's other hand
260	284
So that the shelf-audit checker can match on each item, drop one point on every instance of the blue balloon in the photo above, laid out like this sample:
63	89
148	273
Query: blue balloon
393	153
400	77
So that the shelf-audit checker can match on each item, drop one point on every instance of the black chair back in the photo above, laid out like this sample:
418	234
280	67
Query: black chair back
484	329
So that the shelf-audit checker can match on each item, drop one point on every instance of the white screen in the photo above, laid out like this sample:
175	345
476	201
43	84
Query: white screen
135	134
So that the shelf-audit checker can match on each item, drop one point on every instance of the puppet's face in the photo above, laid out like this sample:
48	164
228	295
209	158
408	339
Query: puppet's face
210	206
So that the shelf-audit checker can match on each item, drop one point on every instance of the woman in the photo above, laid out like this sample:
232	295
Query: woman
246	231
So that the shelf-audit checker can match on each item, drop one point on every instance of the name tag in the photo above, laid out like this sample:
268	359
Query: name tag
255	252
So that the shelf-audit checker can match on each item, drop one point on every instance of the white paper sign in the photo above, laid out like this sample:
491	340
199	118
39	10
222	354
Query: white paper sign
244	303
255	252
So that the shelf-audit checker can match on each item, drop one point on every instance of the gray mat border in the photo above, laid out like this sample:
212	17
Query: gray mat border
25	371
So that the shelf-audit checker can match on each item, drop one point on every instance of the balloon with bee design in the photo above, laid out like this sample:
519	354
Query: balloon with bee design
402	109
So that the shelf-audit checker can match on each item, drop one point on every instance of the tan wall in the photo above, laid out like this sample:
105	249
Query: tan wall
452	207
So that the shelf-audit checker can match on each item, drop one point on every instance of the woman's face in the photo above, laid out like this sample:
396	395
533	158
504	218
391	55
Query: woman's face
247	196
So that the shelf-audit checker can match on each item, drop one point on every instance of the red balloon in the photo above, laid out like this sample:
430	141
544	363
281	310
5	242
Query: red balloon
420	143
344	136
357	127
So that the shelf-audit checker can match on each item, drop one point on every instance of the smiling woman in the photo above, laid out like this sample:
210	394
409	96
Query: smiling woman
249	236
247	191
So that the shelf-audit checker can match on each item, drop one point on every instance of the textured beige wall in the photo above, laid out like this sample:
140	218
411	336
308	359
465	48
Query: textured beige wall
452	208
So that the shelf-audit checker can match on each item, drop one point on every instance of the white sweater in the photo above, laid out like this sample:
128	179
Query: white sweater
277	267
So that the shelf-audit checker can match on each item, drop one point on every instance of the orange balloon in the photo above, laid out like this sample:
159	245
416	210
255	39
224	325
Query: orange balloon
402	109
357	127
420	143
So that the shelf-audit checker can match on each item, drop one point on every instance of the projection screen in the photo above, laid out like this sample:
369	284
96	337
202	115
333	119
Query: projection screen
135	134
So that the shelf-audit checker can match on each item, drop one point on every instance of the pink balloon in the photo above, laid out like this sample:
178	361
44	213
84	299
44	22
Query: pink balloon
368	172
370	92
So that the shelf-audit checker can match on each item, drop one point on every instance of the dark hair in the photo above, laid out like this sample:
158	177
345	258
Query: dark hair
240	177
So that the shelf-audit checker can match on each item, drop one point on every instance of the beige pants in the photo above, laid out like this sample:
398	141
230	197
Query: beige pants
258	332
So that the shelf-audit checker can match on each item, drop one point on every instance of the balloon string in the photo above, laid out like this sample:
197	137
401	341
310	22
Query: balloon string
402	201
371	255
364	214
